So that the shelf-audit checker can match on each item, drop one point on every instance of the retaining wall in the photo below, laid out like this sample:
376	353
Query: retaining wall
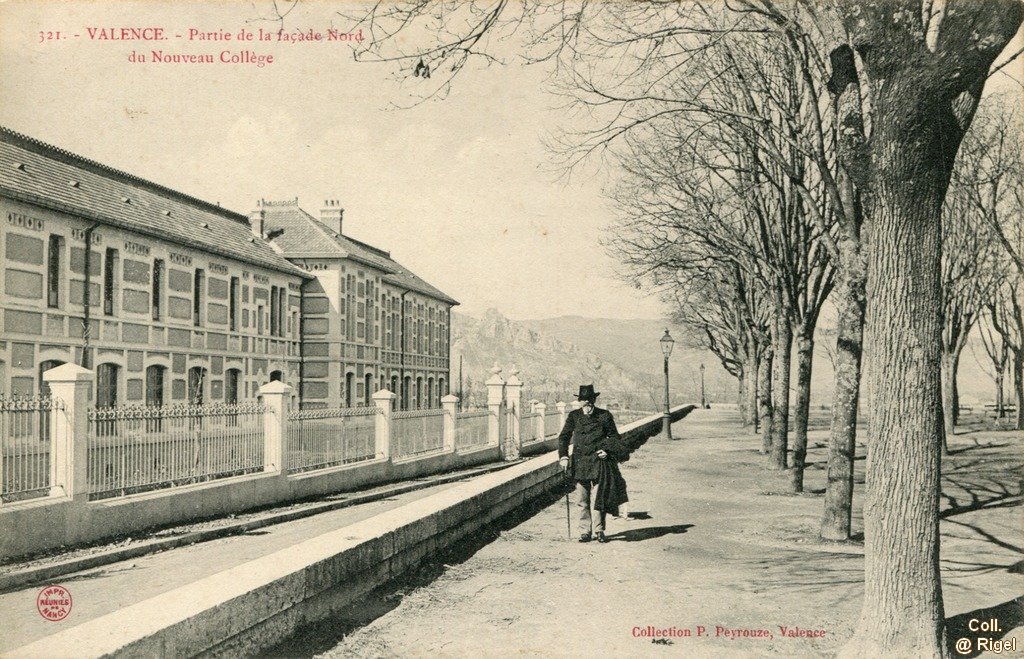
258	604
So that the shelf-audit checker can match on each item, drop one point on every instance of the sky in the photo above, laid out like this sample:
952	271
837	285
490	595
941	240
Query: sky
462	191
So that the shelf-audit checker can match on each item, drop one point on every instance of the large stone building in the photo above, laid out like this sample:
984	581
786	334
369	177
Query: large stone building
368	322
179	300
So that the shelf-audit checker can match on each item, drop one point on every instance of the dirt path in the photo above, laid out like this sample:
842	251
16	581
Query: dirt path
716	556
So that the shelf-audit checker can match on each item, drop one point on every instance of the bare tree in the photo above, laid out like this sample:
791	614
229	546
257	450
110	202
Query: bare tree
906	78
971	272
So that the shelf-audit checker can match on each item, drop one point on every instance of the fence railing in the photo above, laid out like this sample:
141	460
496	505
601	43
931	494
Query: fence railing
528	424
25	440
471	429
329	437
552	423
416	432
119	451
135	449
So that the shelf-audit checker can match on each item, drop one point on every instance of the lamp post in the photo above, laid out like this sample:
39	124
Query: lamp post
703	400
666	349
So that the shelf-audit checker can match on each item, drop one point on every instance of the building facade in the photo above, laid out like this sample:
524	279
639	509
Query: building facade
368	322
174	301
177	300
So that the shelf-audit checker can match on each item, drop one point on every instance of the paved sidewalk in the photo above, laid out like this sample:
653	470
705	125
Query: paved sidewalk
99	591
714	555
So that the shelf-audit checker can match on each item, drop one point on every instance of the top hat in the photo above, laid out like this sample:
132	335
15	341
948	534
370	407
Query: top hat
587	393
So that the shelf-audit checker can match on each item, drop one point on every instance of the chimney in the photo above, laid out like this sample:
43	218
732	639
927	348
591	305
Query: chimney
331	214
256	219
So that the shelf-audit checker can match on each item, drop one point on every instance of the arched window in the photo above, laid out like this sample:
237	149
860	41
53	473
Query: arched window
368	386
430	393
419	393
275	376
44	389
106	385
231	379
155	377
350	379
196	385
406	392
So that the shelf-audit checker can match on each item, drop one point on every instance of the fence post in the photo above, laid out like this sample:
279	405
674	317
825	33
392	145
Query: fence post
561	414
450	404
514	398
275	424
540	409
69	430
495	408
383	400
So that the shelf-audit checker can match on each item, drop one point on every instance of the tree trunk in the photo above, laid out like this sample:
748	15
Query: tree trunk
902	612
782	339
804	355
741	397
950	393
764	399
1018	386
1000	396
751	404
842	442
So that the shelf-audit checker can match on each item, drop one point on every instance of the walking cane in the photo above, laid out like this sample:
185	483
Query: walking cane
568	525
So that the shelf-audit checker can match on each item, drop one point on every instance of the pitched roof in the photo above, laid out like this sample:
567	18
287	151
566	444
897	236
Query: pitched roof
47	176
304	236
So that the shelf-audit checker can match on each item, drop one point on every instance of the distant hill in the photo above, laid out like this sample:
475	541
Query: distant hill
555	356
558	354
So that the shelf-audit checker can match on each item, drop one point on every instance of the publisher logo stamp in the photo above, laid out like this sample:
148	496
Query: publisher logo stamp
54	603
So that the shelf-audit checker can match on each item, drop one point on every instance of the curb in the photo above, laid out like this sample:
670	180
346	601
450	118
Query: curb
14	580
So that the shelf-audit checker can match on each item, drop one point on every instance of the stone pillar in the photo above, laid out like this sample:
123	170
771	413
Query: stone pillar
540	410
69	430
450	405
383	400
513	399
277	397
561	414
495	408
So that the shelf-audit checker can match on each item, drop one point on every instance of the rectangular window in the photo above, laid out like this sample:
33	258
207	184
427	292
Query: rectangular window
53	271
259	319
109	281
158	289
197	297
233	304
274	312
282	310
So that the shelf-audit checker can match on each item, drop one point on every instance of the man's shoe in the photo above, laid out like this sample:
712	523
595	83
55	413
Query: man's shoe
600	537
585	537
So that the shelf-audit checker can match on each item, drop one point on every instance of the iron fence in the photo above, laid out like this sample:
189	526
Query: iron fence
25	440
528	424
415	432
471	429
139	448
330	437
552	422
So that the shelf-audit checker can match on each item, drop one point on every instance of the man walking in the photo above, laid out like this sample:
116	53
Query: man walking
597	448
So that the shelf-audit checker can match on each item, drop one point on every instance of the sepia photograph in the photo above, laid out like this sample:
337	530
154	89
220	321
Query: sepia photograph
489	328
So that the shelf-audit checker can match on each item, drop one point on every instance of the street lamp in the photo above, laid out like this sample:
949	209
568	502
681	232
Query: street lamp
703	400
666	349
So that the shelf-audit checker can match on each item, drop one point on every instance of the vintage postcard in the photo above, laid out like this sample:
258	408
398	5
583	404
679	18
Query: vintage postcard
511	327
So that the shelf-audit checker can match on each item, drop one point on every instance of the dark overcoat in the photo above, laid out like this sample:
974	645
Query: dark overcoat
589	434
